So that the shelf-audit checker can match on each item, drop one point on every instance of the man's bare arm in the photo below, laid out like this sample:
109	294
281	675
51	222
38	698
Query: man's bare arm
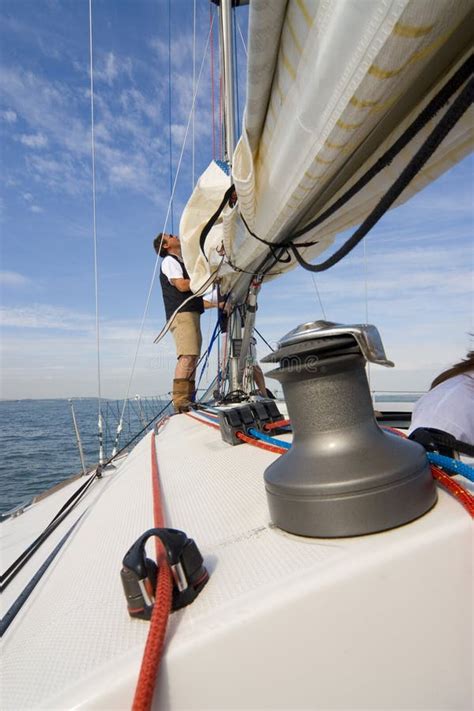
181	284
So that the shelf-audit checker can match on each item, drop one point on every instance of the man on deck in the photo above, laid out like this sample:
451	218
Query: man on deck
185	329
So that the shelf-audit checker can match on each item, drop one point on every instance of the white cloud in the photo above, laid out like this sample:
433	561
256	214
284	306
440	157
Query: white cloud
109	67
37	140
108	70
44	316
36	209
8	116
13	279
65	364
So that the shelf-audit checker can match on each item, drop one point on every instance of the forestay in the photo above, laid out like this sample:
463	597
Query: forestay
330	87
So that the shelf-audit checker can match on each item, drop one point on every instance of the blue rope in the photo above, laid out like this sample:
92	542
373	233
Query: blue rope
451	465
270	440
215	333
200	413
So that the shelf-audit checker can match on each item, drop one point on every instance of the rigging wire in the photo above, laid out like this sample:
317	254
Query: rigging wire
241	37
194	91
155	269
8	575
169	116
94	224
366	297
263	339
319	296
213	108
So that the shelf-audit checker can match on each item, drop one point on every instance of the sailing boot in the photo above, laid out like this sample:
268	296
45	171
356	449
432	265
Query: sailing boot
181	394
192	390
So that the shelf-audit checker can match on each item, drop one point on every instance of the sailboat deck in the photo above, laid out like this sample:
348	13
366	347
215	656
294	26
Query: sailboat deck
282	618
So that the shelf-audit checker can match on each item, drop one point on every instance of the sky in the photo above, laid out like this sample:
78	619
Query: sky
412	278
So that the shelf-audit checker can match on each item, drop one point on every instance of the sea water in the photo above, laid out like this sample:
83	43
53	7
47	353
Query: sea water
38	443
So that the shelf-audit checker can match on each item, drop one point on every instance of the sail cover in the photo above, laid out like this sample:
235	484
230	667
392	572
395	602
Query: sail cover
331	86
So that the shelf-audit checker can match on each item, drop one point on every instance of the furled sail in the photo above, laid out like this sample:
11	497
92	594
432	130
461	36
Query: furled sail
331	86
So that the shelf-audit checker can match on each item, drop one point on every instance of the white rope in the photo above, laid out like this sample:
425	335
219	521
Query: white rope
94	221
150	290
199	292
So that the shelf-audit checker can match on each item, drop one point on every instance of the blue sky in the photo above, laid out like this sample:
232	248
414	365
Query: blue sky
417	269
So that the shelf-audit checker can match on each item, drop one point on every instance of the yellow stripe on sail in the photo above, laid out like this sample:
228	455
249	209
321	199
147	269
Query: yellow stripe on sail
288	66
363	103
380	73
348	126
402	30
303	189
323	161
374	106
383	105
343	147
305	12
294	36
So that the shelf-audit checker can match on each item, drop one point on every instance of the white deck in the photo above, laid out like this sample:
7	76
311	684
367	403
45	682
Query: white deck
376	622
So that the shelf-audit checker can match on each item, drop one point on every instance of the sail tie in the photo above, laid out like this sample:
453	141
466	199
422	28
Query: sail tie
454	83
421	157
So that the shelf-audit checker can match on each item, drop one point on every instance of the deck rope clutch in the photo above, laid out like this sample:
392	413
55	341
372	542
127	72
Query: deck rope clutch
139	574
344	475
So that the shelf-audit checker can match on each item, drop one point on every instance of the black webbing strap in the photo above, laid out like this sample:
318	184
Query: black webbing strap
208	227
434	440
10	615
459	106
439	100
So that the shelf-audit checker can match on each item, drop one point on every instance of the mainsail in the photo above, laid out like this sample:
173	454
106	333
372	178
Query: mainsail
331	87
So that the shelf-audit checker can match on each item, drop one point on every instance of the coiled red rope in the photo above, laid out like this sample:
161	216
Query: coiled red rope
159	620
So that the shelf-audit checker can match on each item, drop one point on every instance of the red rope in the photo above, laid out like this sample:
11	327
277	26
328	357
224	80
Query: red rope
274	425
453	487
203	422
161	611
260	444
463	495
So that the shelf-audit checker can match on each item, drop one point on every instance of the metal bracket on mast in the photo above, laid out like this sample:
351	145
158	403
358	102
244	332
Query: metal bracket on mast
250	312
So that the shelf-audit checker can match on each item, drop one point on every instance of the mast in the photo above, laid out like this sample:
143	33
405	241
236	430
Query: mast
227	59
227	55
